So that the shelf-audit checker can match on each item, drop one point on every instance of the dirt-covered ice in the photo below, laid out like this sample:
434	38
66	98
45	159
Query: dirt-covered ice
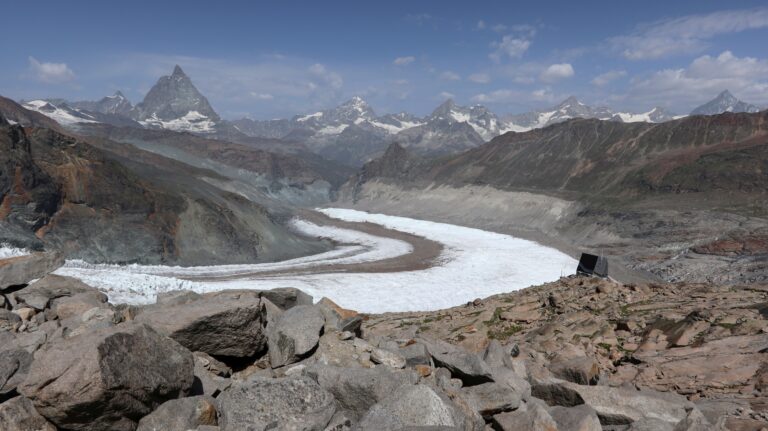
474	263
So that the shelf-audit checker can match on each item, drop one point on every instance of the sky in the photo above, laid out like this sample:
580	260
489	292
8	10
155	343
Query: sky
276	59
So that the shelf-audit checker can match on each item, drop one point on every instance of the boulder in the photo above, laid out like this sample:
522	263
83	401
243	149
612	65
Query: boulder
18	414
21	270
14	365
294	334
583	370
531	418
286	297
489	399
107	379
417	406
283	404
416	354
579	418
339	318
462	364
181	415
176	297
8	320
358	389
224	325
211	375
388	358
614	406
68	307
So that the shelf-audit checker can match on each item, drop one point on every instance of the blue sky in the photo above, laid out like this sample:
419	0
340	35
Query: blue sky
276	59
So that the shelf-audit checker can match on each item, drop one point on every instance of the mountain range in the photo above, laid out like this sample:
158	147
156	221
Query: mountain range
351	133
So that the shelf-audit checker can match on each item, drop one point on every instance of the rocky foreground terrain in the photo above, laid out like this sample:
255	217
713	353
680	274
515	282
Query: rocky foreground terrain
577	354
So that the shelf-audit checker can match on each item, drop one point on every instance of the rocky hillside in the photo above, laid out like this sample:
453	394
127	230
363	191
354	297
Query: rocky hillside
645	194
579	354
63	193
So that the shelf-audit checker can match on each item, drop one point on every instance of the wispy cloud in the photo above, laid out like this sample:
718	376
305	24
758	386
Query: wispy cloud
479	78
50	73
606	78
509	46
557	72
404	61
450	76
687	34
704	78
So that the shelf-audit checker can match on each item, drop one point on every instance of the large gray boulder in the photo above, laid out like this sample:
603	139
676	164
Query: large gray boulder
489	399
14	366
18	414
21	270
358	389
467	366
615	406
228	324
417	406
579	418
533	417
211	375
295	333
181	415
107	379
280	404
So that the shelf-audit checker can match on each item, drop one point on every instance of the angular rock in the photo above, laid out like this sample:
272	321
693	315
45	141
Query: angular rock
388	358
416	406
210	375
181	415
107	379
223	325
533	418
462	364
614	406
8	320
339	318
21	270
582	371
14	366
281	404
74	306
18	414
286	297
357	389
416	354
294	334
579	418
176	297
489	399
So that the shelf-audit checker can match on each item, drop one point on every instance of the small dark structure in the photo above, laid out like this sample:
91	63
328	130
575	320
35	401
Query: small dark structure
590	264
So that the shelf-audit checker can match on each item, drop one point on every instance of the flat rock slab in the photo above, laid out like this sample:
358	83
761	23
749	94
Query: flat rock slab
21	270
280	404
224	325
467	366
108	378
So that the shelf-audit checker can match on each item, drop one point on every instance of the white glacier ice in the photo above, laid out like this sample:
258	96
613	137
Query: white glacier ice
474	263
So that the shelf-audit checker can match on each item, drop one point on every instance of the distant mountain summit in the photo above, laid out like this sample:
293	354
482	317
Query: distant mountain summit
116	104
175	103
724	102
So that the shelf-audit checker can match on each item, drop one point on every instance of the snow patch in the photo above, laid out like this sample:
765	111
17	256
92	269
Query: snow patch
192	121
307	117
474	263
332	130
8	251
61	116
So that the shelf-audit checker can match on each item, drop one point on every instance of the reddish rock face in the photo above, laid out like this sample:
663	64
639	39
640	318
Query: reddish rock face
747	244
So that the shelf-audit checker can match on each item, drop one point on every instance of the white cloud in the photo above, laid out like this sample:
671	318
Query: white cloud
404	61
481	25
703	79
262	96
509	46
499	28
557	72
480	78
332	79
687	34
606	78
444	95
51	73
496	96
450	76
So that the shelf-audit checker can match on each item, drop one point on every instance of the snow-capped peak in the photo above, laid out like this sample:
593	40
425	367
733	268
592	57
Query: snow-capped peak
724	102
62	114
